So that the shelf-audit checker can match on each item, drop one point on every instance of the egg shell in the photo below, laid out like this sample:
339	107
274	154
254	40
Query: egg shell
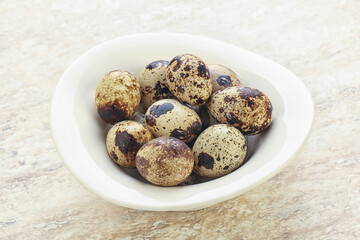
168	117
153	83
117	96
222	77
219	150
246	108
124	140
165	161
188	79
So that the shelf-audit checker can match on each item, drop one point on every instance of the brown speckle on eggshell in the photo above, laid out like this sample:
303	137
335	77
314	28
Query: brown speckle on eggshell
165	161
188	78
168	117
246	108
123	141
153	83
219	150
222	77
117	96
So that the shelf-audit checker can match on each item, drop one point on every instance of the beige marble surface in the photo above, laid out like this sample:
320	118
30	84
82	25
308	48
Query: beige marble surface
316	197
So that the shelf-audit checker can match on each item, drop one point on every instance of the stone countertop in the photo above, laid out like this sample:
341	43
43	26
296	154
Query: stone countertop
317	196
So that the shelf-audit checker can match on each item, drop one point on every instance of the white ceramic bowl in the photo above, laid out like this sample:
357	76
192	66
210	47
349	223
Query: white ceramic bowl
79	134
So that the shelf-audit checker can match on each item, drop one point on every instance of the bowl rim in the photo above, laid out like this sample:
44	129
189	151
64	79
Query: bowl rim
265	172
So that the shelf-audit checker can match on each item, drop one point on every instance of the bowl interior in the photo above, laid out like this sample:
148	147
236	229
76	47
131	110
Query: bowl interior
86	154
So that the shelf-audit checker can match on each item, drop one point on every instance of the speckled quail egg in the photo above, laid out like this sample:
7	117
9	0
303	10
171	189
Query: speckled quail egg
246	108
222	77
168	117
117	96
123	141
188	79
219	150
165	161
152	83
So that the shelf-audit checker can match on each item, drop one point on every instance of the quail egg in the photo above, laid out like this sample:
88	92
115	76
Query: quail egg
246	108
117	96
123	141
165	161
222	77
219	150
153	83
168	117
188	79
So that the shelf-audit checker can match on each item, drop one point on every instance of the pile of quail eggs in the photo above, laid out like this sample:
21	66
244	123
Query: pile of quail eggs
161	119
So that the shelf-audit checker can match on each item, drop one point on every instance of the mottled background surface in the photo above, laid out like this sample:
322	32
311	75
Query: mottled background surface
316	197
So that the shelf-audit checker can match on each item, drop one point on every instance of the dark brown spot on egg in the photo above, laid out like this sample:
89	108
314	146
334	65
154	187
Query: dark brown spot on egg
126	143
221	110
112	113
156	64
203	71
247	93
218	159
226	167
187	68
206	160
114	156
224	80
179	134
158	110
180	89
